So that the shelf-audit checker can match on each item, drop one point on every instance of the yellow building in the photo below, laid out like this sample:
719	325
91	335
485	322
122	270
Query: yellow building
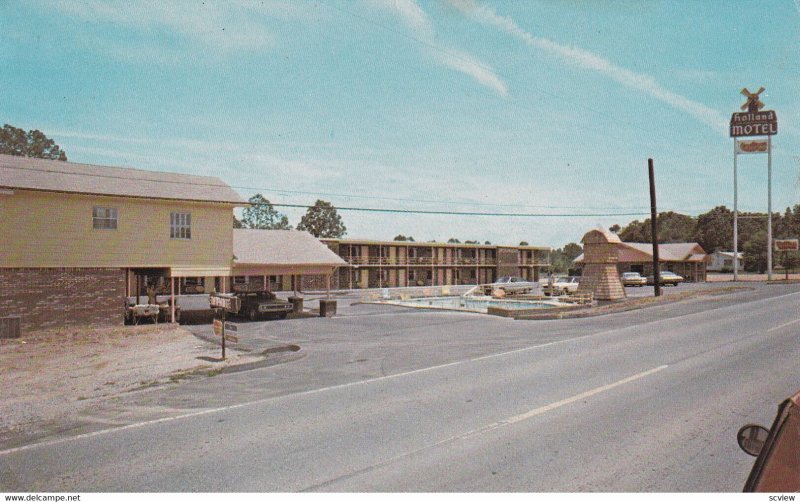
76	239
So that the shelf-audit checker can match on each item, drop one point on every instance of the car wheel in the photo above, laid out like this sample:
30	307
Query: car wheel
252	314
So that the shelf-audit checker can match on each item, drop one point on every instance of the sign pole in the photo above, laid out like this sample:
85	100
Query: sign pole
735	216
654	228
769	208
224	317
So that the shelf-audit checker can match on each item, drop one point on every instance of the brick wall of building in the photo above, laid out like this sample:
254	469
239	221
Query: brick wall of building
508	261
57	297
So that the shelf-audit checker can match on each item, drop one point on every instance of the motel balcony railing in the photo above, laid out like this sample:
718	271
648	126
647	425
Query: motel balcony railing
417	261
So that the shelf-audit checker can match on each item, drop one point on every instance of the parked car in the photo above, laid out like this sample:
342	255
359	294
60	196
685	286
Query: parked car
512	284
667	279
777	466
633	279
257	304
561	286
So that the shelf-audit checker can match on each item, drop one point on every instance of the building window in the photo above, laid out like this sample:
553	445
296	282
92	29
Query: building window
412	275
104	218
180	226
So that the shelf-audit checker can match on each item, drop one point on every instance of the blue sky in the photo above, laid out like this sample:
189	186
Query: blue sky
546	107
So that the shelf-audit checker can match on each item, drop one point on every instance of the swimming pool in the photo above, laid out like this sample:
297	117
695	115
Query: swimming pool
478	304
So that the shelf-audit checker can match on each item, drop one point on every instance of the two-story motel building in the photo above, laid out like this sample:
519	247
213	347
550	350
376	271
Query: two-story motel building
385	264
76	239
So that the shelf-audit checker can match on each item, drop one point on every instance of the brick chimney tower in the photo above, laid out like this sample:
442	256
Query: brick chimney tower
600	256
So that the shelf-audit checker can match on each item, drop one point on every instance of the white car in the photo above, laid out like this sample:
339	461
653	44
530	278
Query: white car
513	284
562	286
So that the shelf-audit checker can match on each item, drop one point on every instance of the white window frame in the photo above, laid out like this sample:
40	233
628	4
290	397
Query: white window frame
180	225
105	218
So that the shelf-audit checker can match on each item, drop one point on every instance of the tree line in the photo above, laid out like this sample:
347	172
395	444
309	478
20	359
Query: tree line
713	230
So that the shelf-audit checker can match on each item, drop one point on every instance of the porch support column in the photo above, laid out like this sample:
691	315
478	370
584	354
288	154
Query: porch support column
172	299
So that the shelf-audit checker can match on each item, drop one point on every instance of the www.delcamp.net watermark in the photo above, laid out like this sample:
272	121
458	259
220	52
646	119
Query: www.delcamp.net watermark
42	498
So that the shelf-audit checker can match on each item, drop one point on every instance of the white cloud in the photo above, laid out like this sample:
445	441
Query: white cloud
413	17
220	26
595	62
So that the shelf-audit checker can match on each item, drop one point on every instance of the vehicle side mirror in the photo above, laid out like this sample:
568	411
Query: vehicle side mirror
751	438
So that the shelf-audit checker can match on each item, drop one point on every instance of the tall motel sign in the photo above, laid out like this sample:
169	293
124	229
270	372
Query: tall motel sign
753	121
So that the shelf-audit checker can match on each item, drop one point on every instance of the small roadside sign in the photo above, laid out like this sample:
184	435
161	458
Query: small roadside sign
232	338
787	244
229	326
228	302
218	327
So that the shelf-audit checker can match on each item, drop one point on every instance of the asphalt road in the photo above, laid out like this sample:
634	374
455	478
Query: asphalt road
387	399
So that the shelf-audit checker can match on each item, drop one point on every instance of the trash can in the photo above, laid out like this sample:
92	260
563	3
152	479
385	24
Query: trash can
297	304
327	308
10	327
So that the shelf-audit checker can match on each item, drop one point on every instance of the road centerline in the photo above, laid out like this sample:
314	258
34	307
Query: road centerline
498	424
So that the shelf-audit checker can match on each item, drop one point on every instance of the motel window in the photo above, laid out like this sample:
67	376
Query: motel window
180	226
104	218
240	279
412	275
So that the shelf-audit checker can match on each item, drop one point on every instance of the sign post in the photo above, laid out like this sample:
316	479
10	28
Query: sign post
225	303
753	122
786	245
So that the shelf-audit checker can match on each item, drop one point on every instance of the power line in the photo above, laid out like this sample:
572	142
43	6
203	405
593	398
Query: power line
433	201
460	213
223	185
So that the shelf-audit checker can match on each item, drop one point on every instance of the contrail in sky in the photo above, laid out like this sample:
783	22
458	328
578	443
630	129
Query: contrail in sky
595	62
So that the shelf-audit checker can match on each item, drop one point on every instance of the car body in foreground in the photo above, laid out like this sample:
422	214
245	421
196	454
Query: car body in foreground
632	279
667	278
777	466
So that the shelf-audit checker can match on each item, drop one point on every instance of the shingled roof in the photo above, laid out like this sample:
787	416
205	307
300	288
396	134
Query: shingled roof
634	252
59	176
276	252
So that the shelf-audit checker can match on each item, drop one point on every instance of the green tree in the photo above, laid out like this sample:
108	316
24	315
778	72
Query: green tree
672	227
524	243
237	223
453	240
615	228
322	220
714	230
471	242
260	214
15	141
403	238
755	252
572	251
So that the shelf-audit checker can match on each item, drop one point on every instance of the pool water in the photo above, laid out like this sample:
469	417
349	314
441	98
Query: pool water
475	304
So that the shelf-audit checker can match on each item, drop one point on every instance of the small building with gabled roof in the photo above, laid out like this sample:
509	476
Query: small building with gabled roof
77	238
687	259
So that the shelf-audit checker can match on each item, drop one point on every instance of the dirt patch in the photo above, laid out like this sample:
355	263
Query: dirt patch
55	374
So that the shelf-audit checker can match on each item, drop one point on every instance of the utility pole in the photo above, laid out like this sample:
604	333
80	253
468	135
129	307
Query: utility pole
654	228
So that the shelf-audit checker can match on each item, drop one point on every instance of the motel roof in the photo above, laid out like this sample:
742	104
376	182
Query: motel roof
281	252
26	173
636	252
421	244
